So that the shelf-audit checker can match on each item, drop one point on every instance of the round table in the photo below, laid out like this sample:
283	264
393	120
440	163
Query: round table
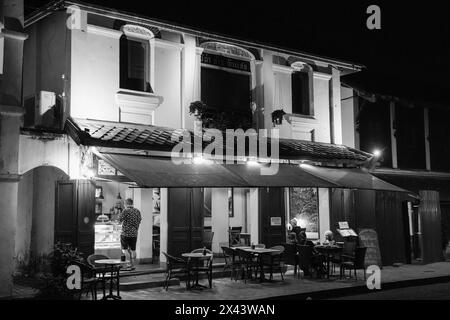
195	256
114	265
328	251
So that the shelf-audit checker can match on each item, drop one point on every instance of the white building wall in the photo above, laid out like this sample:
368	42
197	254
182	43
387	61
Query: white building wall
95	74
168	84
348	117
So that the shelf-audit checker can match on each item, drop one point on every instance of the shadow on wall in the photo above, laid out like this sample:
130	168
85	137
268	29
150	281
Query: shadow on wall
36	213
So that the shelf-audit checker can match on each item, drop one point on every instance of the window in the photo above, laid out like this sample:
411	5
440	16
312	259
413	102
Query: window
301	93
134	64
304	208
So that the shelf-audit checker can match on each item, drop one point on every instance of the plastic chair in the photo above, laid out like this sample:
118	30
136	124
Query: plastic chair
175	267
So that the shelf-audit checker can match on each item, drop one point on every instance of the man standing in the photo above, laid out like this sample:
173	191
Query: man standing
130	219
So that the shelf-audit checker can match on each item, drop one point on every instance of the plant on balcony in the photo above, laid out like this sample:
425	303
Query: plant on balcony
277	116
218	119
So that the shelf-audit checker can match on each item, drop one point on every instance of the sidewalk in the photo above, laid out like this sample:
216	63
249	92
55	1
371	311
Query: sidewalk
290	288
295	288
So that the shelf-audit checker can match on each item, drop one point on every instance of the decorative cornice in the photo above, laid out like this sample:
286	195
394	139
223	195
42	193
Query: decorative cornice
10	34
168	45
110	33
11	110
322	76
282	69
137	102
228	49
199	50
10	177
137	32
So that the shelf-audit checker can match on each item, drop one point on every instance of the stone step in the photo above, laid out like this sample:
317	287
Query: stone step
128	283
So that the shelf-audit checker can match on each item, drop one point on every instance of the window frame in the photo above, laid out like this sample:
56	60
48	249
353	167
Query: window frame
147	38
300	67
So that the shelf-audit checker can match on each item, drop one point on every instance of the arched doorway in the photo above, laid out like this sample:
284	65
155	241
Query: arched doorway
36	212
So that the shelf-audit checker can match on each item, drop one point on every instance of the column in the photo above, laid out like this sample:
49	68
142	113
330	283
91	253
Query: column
163	224
269	88
254	215
144	203
324	212
336	105
219	217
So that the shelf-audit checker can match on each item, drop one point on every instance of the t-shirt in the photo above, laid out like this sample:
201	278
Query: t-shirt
130	219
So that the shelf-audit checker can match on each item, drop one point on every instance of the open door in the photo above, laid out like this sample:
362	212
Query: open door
272	216
75	214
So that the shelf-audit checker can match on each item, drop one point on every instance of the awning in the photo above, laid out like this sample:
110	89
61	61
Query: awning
288	175
163	173
351	178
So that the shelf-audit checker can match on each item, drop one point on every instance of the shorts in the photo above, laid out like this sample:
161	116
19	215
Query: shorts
128	243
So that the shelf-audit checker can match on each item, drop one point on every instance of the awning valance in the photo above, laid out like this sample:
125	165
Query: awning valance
351	178
288	175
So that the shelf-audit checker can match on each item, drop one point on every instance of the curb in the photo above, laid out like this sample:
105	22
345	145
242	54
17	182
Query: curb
360	289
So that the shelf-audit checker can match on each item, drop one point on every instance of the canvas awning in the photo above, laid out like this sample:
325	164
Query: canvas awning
351	178
163	173
287	175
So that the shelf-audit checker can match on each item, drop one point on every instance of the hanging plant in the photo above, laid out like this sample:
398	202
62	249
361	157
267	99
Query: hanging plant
197	108
277	116
217	119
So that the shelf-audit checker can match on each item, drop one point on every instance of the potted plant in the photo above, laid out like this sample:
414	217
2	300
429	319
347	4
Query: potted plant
277	116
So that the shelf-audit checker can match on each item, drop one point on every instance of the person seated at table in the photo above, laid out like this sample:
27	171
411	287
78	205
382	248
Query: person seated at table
302	238
329	238
317	260
292	238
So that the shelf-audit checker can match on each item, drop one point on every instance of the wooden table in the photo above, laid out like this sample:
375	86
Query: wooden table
114	265
328	251
198	256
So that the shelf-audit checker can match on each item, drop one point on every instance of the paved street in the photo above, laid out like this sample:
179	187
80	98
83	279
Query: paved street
440	291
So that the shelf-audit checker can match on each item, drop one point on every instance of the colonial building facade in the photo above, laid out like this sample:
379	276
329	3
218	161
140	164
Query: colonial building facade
104	94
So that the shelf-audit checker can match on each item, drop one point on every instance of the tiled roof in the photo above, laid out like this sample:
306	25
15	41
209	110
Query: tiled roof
154	138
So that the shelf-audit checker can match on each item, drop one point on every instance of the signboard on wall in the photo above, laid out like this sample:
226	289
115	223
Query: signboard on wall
369	239
275	221
225	62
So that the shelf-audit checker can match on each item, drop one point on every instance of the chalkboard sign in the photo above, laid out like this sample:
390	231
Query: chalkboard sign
369	239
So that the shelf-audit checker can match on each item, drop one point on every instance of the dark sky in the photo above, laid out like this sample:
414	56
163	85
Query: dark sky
410	55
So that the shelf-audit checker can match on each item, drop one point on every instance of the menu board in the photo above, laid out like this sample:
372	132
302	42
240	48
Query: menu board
369	239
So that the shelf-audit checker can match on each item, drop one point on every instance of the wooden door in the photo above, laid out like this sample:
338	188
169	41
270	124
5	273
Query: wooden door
272	216
185	220
197	218
430	219
66	212
86	217
75	214
178	219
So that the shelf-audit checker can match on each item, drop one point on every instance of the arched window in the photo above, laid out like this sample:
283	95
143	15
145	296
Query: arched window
135	59
302	81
